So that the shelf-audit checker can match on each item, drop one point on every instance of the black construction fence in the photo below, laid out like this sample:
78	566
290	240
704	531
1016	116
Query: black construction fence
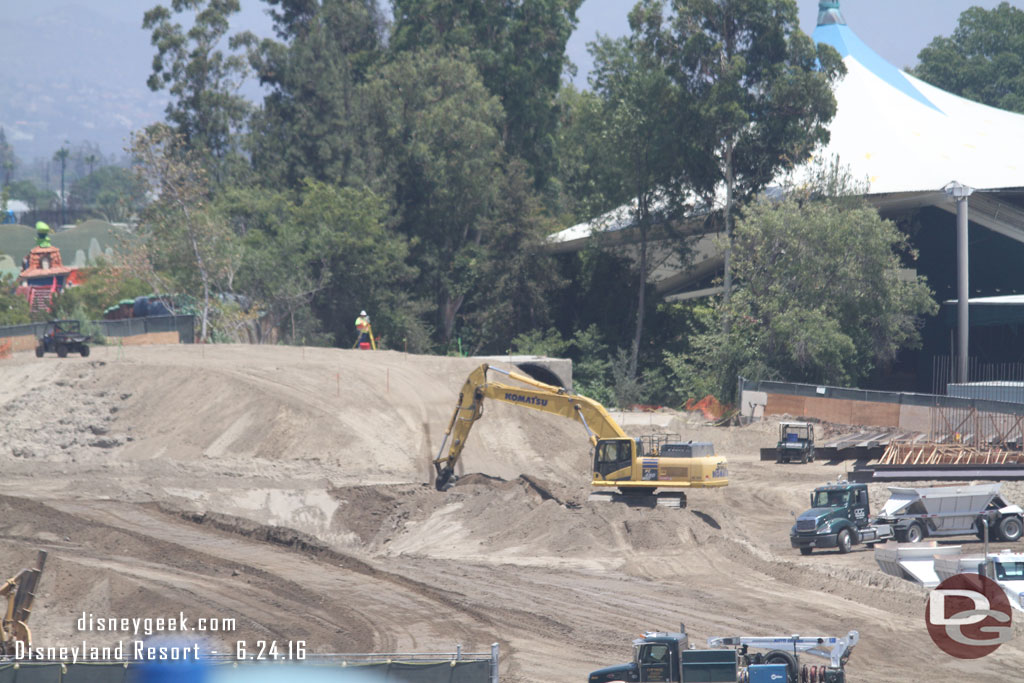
184	325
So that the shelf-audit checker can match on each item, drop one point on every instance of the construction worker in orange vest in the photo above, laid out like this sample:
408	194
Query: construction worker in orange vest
363	328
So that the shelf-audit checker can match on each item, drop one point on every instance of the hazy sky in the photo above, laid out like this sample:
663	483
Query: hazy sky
896	29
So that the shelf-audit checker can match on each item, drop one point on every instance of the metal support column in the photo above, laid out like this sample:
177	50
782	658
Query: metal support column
960	193
494	663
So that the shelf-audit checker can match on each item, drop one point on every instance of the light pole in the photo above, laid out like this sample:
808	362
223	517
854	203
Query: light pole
960	193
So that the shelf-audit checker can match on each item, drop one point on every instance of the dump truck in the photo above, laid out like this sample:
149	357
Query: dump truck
840	516
796	442
634	466
669	656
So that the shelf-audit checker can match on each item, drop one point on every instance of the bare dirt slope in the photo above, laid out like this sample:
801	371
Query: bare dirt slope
289	489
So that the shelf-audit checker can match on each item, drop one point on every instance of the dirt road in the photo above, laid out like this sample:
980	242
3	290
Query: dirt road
289	489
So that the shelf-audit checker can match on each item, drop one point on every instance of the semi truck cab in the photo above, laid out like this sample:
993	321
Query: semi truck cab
839	517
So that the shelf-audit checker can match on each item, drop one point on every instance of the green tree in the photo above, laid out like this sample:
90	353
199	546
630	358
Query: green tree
185	246
311	265
983	60
112	192
517	46
516	277
26	191
437	127
8	160
763	95
205	107
362	262
585	178
13	308
102	286
313	121
276	270
644	112
819	298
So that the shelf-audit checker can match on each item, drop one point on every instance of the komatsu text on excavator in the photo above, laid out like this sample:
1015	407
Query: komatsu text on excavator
618	460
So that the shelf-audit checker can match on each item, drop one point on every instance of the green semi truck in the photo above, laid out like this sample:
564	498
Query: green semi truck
840	517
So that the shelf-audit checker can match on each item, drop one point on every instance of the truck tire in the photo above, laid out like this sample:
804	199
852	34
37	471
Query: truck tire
914	533
844	542
85	351
783	657
806	550
62	351
1010	528
40	350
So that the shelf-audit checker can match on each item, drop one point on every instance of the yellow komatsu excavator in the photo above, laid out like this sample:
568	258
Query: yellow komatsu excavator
20	591
618	459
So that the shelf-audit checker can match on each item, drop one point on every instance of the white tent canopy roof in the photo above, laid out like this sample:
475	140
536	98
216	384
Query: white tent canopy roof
904	135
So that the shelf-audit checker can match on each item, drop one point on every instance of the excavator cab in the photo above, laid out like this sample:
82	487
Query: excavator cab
613	455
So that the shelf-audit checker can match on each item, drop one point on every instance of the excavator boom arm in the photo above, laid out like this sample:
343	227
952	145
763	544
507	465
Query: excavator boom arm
536	395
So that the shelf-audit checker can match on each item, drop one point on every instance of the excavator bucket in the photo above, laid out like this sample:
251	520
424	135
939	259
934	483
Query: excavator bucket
445	478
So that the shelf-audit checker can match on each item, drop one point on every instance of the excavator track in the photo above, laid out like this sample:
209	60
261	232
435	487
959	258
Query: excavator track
668	499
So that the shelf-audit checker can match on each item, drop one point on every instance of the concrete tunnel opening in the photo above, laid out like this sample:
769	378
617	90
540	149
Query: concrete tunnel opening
541	374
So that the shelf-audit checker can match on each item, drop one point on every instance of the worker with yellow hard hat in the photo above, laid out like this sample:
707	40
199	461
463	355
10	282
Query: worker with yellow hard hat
363	329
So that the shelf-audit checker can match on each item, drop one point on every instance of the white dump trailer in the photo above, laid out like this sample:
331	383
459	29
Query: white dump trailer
929	565
914	562
917	513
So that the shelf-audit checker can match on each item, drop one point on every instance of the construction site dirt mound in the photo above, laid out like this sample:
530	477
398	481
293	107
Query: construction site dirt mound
292	490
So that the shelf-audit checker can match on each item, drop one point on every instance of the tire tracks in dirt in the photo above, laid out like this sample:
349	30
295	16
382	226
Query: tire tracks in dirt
316	570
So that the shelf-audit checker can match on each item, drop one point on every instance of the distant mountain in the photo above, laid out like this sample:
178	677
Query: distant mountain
74	74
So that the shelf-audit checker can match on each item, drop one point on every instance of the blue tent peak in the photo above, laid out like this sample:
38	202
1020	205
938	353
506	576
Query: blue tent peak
828	13
846	42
